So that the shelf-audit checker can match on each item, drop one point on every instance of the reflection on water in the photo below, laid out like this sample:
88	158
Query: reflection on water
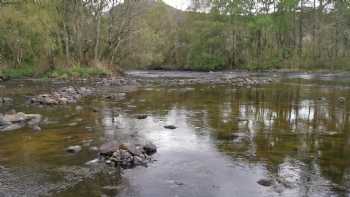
227	139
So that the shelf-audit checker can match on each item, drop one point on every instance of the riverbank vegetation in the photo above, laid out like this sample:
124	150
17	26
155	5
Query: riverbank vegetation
78	38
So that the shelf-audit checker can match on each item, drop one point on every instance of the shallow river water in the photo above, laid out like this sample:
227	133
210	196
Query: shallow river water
295	133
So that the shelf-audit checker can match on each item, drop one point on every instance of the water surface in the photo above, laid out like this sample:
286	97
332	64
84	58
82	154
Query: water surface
294	132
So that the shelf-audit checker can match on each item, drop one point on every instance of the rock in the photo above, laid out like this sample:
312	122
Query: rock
79	120
170	127
94	148
242	120
92	162
149	148
141	116
89	129
321	98
12	127
87	142
341	99
265	182
73	149
36	128
66	95
78	108
116	97
109	162
34	119
111	187
13	121
5	100
73	124
179	183
108	149
236	136
135	150
127	155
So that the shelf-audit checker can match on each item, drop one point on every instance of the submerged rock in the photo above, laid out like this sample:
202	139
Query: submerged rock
170	127
265	182
141	116
149	148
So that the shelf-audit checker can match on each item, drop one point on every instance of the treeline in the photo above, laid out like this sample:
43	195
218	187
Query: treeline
77	37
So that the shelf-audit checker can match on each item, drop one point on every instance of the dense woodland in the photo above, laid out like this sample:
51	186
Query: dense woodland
83	37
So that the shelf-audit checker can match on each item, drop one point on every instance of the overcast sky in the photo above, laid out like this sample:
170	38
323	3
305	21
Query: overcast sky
179	4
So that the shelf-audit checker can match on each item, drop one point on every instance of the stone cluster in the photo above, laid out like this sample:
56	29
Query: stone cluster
13	121
127	155
66	95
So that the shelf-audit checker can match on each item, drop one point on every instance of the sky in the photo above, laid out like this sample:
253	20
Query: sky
179	4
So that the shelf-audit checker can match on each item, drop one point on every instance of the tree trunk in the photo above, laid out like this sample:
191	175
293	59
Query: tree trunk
300	47
98	31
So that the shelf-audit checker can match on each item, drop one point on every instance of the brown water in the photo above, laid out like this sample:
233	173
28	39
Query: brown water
294	132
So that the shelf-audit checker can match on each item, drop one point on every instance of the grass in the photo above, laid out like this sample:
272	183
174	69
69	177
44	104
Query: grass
19	72
76	71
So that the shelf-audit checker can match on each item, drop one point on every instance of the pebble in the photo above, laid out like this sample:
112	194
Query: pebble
73	149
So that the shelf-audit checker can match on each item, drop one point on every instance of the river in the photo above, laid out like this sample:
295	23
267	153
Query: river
294	133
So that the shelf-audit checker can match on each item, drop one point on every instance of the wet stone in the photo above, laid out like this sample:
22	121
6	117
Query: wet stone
65	95
78	108
141	116
73	149
127	155
6	100
265	182
172	127
150	148
341	99
13	121
36	128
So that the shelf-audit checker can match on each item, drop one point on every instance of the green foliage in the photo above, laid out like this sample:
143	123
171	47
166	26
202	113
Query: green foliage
206	52
25	34
56	37
76	71
20	72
